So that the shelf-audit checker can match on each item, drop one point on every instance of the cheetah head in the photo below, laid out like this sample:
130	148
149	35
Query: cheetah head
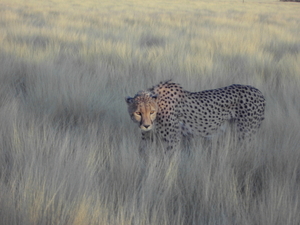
142	109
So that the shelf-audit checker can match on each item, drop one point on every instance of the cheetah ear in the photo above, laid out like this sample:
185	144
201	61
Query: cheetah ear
129	100
154	96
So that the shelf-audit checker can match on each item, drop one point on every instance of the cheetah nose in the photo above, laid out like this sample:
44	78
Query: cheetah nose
146	126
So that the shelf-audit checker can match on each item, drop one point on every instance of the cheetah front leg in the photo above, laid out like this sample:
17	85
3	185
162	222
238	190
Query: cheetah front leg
144	143
172	139
169	138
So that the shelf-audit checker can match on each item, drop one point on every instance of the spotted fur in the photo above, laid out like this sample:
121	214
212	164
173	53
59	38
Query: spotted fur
173	112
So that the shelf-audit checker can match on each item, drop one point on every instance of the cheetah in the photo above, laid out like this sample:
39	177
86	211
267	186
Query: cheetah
172	112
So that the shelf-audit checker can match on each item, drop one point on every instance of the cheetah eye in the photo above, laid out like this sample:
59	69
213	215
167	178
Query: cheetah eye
151	112
138	113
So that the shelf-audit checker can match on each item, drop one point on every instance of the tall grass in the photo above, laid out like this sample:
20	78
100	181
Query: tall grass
68	150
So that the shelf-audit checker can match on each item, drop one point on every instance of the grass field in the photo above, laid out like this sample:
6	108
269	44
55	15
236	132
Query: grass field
68	150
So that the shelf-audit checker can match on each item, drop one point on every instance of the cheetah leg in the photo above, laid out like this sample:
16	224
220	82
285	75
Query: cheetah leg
173	139
145	142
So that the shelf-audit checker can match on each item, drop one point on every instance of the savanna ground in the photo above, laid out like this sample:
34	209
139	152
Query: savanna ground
68	150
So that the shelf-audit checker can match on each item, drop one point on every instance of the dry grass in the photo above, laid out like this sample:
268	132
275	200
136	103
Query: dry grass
68	150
